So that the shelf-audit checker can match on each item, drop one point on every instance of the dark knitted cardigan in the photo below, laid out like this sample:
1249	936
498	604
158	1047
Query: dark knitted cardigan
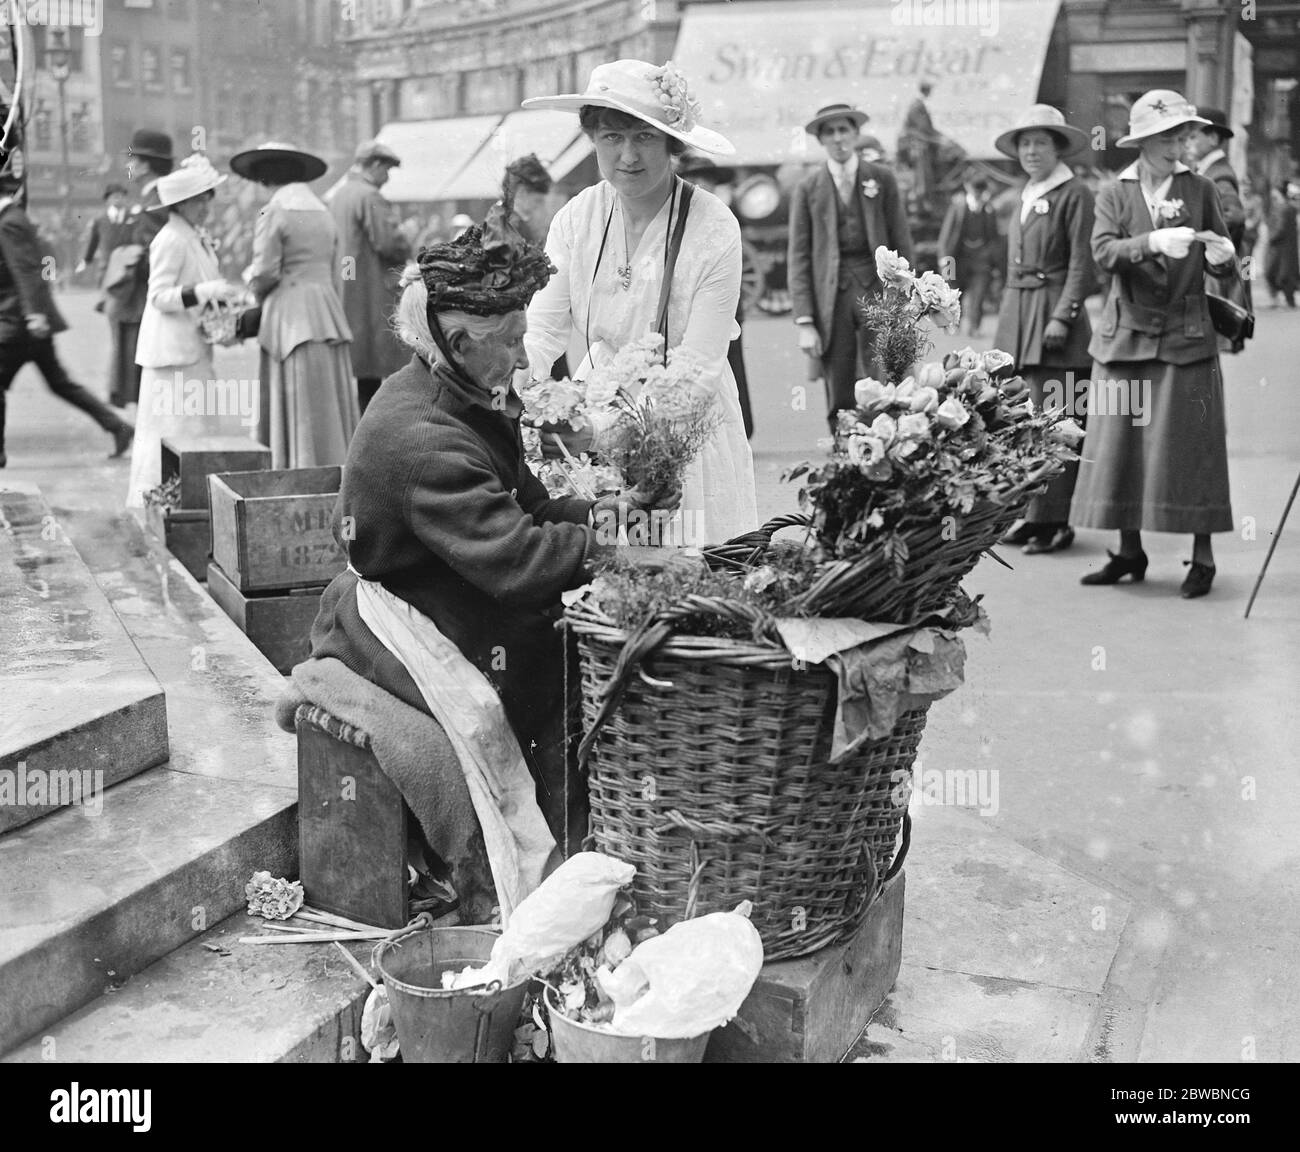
438	505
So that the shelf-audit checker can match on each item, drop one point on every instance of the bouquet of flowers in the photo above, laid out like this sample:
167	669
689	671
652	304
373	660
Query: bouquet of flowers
907	300
219	317
929	449
655	419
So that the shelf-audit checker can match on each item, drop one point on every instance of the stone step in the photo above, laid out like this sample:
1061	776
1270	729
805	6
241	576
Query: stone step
89	897
82	710
214	1000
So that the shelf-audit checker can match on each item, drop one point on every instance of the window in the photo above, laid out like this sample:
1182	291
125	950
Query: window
151	66
181	79
119	65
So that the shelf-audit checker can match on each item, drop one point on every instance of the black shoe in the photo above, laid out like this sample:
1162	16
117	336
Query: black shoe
1117	567
1059	541
1198	580
3	459
122	440
1024	534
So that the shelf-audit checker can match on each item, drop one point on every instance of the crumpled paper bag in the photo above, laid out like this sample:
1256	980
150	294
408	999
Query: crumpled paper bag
688	981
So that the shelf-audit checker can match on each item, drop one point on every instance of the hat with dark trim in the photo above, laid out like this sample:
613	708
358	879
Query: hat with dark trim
835	112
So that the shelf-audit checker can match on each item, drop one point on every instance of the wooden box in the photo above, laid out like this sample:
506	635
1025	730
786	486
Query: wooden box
186	533
811	1010
272	530
278	623
352	826
195	458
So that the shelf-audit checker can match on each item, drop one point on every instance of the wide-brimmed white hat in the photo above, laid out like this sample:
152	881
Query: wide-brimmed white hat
1155	112
1047	119
195	176
658	95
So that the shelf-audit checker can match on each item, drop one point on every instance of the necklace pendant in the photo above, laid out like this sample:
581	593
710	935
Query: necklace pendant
625	275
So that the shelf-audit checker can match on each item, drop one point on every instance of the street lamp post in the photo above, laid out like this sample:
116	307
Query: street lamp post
60	62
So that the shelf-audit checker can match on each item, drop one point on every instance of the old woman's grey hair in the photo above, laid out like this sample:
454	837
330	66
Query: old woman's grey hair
411	320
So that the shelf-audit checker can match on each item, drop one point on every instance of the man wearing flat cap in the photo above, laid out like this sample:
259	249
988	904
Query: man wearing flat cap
373	251
839	216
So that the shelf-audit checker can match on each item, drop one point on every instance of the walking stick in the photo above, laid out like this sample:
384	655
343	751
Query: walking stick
1276	537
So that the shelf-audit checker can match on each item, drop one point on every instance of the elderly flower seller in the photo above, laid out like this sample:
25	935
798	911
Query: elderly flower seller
458	556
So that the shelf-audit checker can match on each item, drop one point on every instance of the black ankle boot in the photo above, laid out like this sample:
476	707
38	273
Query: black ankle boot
1117	567
1199	578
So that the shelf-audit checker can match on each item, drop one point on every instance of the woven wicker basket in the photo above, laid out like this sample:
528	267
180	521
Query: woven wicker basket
712	776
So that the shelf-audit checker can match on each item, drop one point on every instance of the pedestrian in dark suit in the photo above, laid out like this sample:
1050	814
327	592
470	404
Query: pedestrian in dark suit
1043	324
1282	264
1155	455
970	246
126	274
1207	158
839	216
29	319
109	230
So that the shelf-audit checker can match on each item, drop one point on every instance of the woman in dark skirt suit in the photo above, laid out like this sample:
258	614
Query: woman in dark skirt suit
1043	324
1155	455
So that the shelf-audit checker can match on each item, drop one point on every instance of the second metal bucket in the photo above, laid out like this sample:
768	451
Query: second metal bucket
468	1026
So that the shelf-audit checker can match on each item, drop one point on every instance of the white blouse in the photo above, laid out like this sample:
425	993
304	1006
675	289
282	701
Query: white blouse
718	500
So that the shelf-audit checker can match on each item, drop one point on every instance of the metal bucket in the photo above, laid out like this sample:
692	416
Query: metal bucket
468	1026
577	1043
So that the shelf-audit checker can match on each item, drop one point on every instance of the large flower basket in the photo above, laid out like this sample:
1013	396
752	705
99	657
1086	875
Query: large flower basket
712	774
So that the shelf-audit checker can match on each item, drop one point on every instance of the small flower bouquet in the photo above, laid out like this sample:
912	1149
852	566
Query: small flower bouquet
905	304
654	418
219	318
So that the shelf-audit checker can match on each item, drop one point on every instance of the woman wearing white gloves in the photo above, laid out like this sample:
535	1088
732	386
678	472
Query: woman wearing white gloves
177	392
1155	456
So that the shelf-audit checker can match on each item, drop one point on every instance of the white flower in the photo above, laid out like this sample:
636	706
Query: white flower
601	390
884	427
930	375
995	359
913	426
1068	430
925	400
952	413
893	269
870	189
1168	209
968	358
869	391
1042	207
905	391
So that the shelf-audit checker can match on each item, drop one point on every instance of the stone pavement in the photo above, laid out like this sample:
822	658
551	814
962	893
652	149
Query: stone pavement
1104	865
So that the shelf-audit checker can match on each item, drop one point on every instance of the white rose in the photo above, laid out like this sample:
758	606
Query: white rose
930	375
968	358
893	269
995	360
925	400
869	391
913	426
884	428
952	413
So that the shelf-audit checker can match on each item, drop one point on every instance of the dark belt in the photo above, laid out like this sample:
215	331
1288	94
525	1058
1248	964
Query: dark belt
1034	278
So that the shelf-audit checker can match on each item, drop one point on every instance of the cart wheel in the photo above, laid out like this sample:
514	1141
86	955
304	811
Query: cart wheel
752	279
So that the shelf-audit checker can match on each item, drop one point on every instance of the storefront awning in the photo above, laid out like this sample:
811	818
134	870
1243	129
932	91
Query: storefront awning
761	68
433	153
465	159
551	135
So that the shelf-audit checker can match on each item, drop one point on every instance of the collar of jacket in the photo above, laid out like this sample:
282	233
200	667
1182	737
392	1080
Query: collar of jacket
1208	161
468	394
1131	172
1036	190
296	198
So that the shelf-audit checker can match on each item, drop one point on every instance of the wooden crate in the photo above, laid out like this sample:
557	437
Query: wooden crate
352	827
195	458
278	623
811	1010
186	533
272	530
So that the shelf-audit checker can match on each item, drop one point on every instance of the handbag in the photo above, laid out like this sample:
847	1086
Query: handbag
249	323
1230	309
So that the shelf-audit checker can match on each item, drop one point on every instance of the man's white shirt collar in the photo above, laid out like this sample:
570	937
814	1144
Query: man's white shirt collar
1205	161
1040	188
849	168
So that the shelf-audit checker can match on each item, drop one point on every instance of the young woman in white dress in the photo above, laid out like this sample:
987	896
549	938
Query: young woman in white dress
611	244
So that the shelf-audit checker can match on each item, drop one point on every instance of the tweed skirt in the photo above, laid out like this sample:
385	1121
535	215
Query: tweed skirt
1155	457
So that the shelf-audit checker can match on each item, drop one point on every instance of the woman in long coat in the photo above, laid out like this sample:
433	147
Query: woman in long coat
1155	455
309	407
1282	264
175	358
1043	323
